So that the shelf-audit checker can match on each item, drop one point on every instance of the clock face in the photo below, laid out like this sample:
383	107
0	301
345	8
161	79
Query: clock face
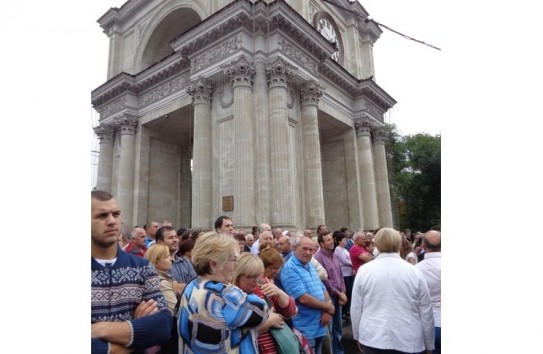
327	29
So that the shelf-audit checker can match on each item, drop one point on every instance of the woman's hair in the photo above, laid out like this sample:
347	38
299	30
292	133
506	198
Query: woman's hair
248	264
156	252
388	240
271	257
406	247
338	236
212	246
185	246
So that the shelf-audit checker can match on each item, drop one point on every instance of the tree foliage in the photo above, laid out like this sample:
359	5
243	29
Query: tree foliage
415	179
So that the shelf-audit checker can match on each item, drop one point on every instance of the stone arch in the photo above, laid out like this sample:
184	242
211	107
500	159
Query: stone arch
173	19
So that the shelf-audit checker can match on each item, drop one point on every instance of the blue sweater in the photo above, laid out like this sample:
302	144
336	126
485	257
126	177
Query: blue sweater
116	291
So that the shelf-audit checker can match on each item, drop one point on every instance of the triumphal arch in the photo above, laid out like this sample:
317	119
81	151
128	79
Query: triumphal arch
265	111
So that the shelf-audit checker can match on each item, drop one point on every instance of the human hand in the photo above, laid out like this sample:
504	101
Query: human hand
342	299
146	308
275	320
178	287
270	289
325	318
115	348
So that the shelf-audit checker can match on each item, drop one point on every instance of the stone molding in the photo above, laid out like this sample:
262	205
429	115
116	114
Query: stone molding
296	54
362	127
127	124
240	72
310	93
379	136
164	90
222	93
113	107
201	90
105	133
216	53
279	72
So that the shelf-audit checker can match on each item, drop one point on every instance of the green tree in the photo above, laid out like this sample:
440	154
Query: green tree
415	179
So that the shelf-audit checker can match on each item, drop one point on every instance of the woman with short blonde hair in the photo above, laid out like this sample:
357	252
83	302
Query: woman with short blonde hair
159	256
213	309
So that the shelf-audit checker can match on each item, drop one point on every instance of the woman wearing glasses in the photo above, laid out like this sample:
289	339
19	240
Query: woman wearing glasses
216	316
252	277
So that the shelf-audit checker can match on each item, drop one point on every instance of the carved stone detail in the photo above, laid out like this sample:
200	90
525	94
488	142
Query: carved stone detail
221	91
379	136
215	53
113	107
164	90
241	72
201	91
310	93
127	124
371	108
278	73
299	56
105	133
363	127
292	95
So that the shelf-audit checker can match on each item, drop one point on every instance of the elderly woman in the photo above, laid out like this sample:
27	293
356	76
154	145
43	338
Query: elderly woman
216	316
253	276
391	309
159	256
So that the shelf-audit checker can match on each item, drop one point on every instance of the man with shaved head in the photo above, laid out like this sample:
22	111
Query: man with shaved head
430	267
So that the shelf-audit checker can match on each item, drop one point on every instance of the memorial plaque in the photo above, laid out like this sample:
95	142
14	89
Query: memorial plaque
228	203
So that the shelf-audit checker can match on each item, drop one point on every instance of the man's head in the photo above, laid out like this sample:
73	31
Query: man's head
432	241
224	225
308	233
303	248
261	228
105	219
165	223
359	238
326	242
283	245
322	230
138	237
168	236
266	237
388	240
277	233
249	239
151	228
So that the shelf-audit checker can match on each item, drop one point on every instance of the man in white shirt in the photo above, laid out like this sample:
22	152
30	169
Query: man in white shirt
391	308
255	248
430	267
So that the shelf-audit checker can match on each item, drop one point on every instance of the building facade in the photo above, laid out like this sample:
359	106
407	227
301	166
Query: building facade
265	111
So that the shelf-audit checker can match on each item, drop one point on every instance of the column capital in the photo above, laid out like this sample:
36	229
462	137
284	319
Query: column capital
127	123
279	73
363	127
379	135
200	90
241	72
105	133
310	93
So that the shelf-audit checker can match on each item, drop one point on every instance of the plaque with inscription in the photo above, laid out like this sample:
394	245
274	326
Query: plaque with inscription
228	203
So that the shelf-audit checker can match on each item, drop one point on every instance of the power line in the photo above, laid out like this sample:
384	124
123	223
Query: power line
367	20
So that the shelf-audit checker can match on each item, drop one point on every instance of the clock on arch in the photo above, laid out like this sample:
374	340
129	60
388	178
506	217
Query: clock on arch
327	27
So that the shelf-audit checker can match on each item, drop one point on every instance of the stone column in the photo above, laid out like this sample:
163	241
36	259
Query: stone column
106	134
201	92
314	197
125	182
367	178
381	178
262	152
241	73
282	213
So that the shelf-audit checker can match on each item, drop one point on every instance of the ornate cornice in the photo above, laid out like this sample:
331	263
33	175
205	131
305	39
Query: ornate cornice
299	56
279	72
240	72
127	124
310	93
105	133
216	53
201	91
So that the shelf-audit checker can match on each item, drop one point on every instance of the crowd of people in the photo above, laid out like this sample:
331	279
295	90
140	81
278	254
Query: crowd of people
157	289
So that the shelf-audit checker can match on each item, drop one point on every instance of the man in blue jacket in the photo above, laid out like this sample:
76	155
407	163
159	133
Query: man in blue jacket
128	311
